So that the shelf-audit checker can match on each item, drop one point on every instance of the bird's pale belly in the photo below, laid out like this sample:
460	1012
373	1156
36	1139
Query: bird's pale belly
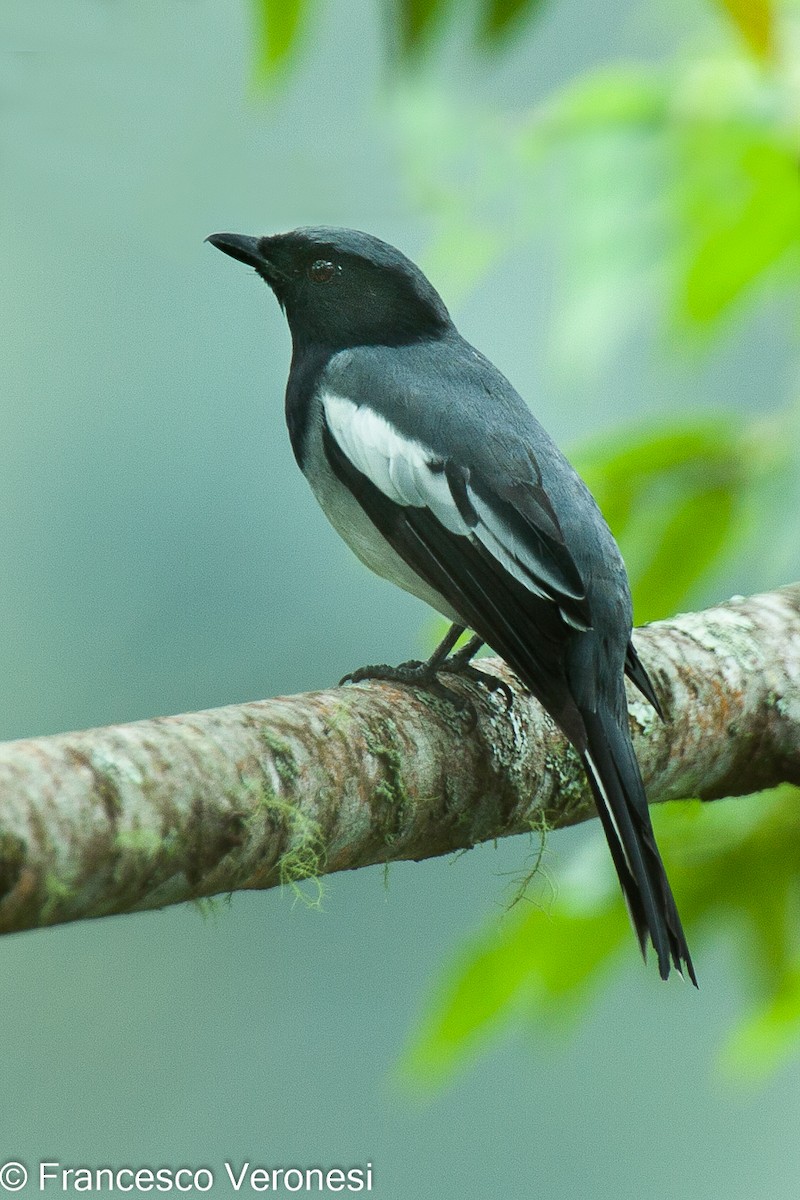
355	528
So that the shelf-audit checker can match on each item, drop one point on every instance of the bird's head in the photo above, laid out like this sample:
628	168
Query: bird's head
340	287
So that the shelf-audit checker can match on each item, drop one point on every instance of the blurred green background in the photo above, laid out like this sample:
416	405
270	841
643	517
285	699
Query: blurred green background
608	198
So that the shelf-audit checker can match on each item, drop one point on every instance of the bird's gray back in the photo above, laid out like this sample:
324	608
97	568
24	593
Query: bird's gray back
448	396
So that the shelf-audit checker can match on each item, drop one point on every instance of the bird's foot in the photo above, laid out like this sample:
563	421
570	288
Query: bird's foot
416	674
413	672
425	674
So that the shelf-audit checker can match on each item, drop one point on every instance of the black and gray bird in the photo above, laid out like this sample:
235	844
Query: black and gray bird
435	472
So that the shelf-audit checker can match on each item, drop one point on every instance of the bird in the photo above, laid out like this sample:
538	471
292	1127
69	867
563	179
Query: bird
437	474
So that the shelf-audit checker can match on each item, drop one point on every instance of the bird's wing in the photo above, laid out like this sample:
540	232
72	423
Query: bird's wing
448	521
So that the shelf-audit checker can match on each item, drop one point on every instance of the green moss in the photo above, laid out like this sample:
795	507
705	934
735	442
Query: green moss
282	756
538	826
339	718
259	796
207	907
143	841
300	868
13	853
57	893
304	859
390	796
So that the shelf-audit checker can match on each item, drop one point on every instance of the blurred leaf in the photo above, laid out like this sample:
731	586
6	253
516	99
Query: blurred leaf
673	499
734	863
689	180
692	536
499	17
618	467
605	147
755	21
532	960
417	20
610	96
673	190
278	26
738	247
766	1038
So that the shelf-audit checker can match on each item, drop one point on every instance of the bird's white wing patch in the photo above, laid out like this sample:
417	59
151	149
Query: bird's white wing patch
405	470
410	473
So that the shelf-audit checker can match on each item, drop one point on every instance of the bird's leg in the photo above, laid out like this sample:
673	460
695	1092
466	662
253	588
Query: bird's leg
423	674
460	663
463	657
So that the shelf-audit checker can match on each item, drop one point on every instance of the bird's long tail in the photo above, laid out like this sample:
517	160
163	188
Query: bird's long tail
613	773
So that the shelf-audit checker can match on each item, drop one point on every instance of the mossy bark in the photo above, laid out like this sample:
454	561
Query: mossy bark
138	816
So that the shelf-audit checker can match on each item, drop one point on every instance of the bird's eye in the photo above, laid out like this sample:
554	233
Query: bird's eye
321	271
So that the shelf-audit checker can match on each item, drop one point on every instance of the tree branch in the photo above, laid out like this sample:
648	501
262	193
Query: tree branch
138	816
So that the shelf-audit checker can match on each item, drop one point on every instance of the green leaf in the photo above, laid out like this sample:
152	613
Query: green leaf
535	958
617	468
278	25
692	537
616	97
755	21
417	20
733	864
499	17
737	248
769	1035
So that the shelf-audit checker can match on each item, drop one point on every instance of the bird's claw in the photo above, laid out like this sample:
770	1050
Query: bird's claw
413	672
490	682
425	675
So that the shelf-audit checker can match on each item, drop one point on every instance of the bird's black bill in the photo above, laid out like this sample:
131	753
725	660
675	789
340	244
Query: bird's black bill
239	246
